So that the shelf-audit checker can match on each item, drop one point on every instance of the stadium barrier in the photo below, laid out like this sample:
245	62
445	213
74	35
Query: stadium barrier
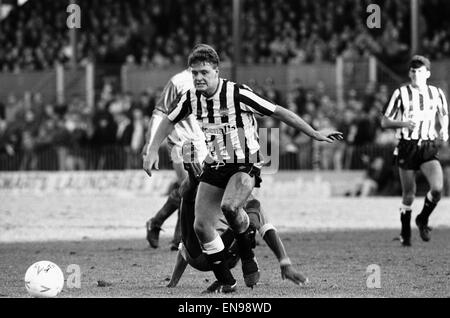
16	84
310	161
60	83
309	156
284	185
56	85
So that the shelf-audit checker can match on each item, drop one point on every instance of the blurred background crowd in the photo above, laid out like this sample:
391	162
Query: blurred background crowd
159	33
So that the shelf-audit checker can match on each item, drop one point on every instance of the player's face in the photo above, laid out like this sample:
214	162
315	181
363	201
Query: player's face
419	75
206	77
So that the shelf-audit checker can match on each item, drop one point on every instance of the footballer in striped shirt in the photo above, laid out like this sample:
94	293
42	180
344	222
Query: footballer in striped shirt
412	111
225	111
187	131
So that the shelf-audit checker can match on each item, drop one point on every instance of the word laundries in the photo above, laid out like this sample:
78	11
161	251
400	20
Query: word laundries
79	181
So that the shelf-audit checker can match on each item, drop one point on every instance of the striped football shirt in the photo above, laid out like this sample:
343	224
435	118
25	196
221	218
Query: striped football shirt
227	120
187	130
408	103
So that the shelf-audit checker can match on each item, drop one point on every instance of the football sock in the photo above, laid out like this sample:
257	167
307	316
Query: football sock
405	211
253	209
177	233
428	208
246	242
405	207
274	242
405	218
265	228
215	254
227	237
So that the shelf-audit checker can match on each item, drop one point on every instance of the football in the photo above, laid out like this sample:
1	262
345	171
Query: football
44	279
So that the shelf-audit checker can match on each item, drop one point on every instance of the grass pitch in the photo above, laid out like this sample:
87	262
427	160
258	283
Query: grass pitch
332	241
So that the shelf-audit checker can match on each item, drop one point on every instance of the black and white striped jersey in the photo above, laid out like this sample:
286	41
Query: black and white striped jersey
408	103
227	120
187	131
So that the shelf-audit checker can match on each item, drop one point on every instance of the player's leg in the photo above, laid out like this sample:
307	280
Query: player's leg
180	172
237	191
408	182
181	176
188	190
155	223
176	155
207	215
273	240
434	175
207	211
173	201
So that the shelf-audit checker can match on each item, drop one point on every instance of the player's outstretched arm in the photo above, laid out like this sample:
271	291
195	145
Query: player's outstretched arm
288	271
151	158
153	125
178	270
295	121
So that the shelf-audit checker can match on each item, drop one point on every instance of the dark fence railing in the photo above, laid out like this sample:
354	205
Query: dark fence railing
62	159
119	158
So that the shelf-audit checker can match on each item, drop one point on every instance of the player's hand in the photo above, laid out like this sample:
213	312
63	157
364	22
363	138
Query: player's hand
329	135
410	125
289	272
149	160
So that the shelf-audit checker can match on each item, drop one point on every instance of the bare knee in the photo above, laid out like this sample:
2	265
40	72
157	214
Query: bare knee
229	208
235	217
201	230
436	194
199	227
408	198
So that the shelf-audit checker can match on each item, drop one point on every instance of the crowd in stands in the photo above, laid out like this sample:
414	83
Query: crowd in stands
116	127
358	117
161	32
109	136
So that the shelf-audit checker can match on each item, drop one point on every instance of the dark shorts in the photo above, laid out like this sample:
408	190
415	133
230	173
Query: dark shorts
411	155
219	176
194	170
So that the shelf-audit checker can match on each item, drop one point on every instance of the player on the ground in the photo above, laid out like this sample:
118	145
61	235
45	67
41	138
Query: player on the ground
184	131
225	111
412	110
190	251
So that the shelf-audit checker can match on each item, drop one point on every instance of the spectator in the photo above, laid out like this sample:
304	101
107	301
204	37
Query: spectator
104	135
277	31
